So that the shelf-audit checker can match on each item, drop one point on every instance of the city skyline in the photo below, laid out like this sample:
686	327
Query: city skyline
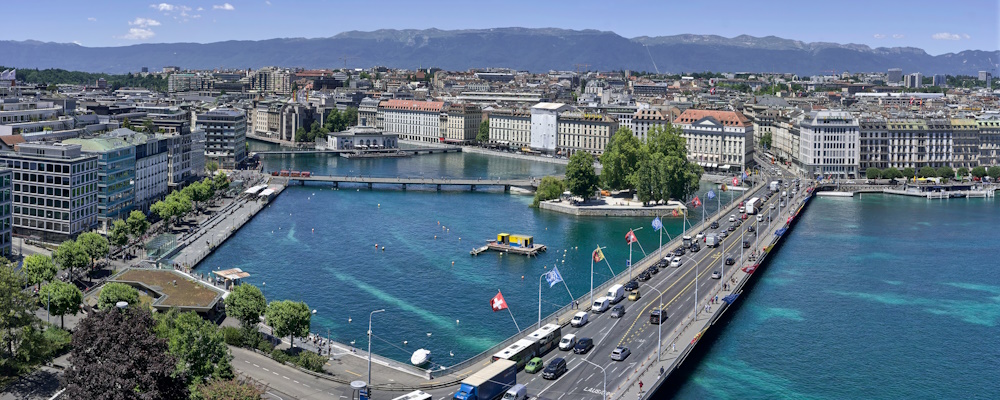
875	24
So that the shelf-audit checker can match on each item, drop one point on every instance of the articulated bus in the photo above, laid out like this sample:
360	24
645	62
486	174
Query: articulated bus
520	352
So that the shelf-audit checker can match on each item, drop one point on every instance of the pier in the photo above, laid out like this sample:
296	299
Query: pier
404	182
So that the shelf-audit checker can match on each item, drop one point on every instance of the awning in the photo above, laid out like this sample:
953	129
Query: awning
266	193
255	189
232	274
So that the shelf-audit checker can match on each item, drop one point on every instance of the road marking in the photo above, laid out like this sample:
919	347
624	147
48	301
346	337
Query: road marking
305	385
258	366
265	369
295	381
248	362
285	377
275	373
352	373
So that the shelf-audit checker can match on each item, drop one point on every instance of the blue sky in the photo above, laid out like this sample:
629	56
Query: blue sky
935	26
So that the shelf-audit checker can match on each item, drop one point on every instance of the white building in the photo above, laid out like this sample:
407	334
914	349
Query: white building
644	120
419	121
544	121
716	139
829	145
510	128
362	138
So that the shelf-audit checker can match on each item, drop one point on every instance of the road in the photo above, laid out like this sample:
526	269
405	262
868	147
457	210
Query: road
677	284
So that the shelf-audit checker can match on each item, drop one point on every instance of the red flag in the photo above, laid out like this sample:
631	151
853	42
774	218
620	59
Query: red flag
598	255
697	202
498	302
674	212
736	181
630	237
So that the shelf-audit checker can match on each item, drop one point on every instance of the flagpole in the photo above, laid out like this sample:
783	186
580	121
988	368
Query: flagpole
592	276
567	287
512	319
539	299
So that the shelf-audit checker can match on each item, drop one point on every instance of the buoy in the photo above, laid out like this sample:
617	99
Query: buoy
522	277
383	248
459	238
405	342
314	230
349	320
453	263
428	334
456	322
451	353
380	205
376	245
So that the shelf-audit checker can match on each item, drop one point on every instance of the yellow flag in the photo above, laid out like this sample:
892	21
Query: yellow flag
598	255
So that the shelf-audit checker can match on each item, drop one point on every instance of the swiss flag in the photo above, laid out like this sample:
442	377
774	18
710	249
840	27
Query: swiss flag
630	237
498	303
736	181
697	202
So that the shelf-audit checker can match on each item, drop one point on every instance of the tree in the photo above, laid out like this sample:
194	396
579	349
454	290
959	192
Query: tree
95	245
70	255
979	172
946	172
221	181
301	135
116	355
246	303
61	298
963	172
15	314
197	344
909	173
549	188
765	140
993	172
620	160
212	166
873	173
581	180
113	292
137	224
239	388
891	173
39	268
484	132
927	172
119	233
288	318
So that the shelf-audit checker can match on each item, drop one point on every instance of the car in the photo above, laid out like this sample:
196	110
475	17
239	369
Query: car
631	285
746	243
617	311
634	295
534	365
751	228
653	270
556	368
668	257
760	217
620	353
644	276
731	228
580	319
695	248
730	261
679	252
567	342
744	217
716	275
732	218
714	225
583	345
782	203
659	264
742	210
657	316
676	262
699	237
724	234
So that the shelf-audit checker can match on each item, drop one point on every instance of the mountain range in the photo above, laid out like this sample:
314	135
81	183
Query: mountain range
536	50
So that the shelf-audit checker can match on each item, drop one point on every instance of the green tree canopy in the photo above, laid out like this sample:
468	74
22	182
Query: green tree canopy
891	173
70	255
548	189
963	172
246	303
119	233
946	172
979	172
116	355
39	268
137	223
581	180
288	318
484	132
909	173
238	388
993	172
16	319
619	160
197	344
927	172
61	298
765	140
873	173
212	166
221	181
95	245
113	292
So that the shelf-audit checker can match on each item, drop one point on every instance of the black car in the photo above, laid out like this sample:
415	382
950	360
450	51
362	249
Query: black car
555	369
751	229
714	225
695	248
644	276
631	285
659	264
583	346
617	311
679	252
732	227
730	261
746	243
653	270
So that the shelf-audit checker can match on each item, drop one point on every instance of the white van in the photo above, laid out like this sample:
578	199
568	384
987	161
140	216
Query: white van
567	342
616	293
415	395
600	304
516	392
579	319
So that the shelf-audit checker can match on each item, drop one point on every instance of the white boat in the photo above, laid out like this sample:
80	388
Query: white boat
420	357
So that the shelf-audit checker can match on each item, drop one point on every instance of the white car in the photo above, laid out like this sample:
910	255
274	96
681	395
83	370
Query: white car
567	342
772	206
716	275
760	218
676	262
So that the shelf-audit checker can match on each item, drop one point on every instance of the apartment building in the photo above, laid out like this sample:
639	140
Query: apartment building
544	121
829	144
115	176
418	121
965	143
461	123
989	140
6	209
510	128
152	171
225	136
873	142
644	120
577	131
716	139
55	190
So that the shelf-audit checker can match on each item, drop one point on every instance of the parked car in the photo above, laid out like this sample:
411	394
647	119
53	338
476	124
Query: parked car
556	368
617	311
620	353
653	270
534	365
583	345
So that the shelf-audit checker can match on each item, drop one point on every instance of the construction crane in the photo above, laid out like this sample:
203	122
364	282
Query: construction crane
585	67
344	58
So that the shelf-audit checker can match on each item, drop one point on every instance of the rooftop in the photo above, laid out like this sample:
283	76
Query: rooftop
727	118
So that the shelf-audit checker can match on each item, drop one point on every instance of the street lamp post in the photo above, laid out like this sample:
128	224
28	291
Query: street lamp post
659	326
540	298
630	252
604	394
264	285
370	349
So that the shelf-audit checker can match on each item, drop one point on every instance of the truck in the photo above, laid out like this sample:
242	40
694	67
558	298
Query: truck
488	383
753	205
774	186
712	240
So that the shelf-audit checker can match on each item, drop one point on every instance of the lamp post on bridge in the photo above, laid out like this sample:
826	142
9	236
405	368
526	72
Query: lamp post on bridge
604	394
659	326
370	349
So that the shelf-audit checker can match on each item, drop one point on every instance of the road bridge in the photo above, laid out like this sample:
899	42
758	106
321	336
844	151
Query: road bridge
404	182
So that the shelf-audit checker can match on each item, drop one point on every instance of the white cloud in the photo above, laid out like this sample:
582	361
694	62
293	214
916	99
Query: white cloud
268	2
225	6
897	36
966	35
201	8
946	36
92	19
163	7
77	42
138	34
879	36
144	22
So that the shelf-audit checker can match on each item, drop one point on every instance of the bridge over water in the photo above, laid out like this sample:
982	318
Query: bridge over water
403	182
